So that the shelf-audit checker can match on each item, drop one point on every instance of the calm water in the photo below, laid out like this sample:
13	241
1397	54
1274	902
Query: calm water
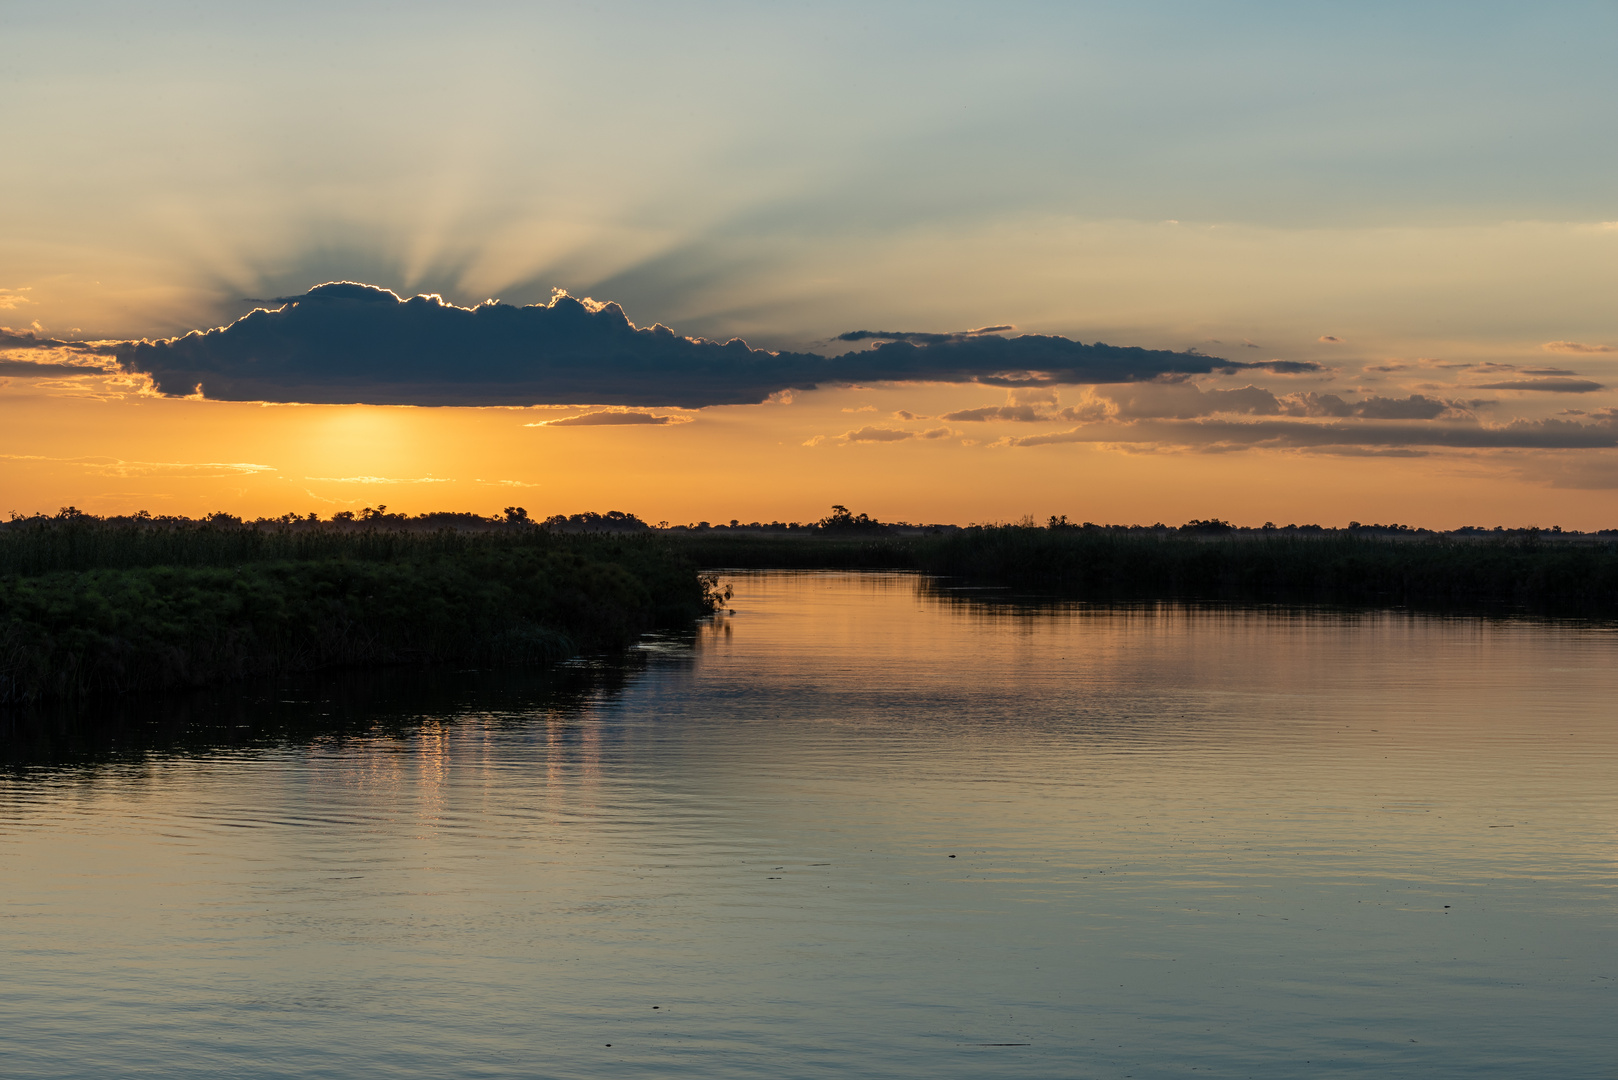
855	829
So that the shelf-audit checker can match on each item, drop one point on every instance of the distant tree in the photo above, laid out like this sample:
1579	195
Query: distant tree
841	519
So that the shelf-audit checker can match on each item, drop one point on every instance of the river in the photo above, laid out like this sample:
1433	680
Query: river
863	826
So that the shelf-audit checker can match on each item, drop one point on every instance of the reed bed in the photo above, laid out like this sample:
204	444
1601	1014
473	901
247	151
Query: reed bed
89	606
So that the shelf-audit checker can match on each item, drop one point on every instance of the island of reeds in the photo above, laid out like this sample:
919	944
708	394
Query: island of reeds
92	605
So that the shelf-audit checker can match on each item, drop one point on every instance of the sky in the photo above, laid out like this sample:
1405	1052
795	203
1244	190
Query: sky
1349	262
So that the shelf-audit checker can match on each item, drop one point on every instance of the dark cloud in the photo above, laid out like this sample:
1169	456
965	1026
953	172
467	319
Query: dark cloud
350	343
1552	386
1288	367
26	339
606	419
1330	339
920	337
33	369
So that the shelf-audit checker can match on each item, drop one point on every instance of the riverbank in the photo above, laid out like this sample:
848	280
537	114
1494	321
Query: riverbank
1521	570
90	607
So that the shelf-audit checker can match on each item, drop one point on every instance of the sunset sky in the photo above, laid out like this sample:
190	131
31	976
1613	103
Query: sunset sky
1362	260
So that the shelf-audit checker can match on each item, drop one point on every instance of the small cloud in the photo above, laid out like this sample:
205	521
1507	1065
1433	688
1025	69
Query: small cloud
1550	386
862	408
1547	371
11	299
877	434
1289	367
1024	414
1246	344
1576	347
936	433
1414	407
1388	367
610	418
1330	339
906	414
508	483
918	337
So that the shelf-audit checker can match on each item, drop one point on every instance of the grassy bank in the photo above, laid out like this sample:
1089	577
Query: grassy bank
1522	570
1434	571
90	607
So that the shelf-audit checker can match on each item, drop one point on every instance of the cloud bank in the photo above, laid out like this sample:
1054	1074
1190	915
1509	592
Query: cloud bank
348	343
1294	434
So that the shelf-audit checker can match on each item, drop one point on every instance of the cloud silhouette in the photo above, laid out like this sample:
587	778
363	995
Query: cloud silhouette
65	351
344	342
36	369
607	419
1553	386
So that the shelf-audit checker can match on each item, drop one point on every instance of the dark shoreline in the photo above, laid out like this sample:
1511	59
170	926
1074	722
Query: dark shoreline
92	607
199	604
1528	572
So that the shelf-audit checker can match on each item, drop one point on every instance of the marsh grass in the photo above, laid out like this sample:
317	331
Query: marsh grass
90	607
1525	570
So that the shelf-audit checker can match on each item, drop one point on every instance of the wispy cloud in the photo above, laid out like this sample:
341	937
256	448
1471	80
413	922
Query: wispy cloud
1296	434
111	466
1549	386
875	434
611	418
1577	347
380	479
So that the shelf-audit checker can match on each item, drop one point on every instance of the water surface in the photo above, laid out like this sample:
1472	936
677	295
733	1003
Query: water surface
860	827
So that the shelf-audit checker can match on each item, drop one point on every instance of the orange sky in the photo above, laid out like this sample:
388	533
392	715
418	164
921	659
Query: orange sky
1427	218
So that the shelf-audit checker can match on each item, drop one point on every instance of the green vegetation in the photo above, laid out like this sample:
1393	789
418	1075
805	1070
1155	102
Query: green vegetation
1337	566
1207	560
91	606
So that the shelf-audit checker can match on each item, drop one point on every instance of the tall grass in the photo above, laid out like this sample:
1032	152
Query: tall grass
1335	566
90	606
1570	573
